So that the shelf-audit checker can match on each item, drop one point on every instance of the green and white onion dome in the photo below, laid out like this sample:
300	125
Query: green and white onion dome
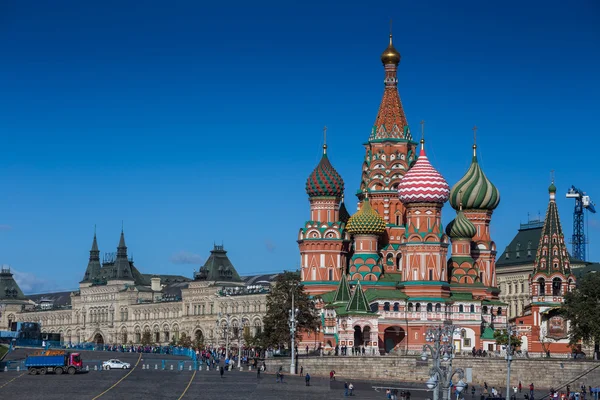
474	190
460	227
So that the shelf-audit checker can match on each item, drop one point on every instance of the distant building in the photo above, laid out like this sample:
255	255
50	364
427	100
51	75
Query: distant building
116	303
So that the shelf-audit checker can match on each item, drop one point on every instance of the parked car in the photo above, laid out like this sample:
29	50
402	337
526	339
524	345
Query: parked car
115	364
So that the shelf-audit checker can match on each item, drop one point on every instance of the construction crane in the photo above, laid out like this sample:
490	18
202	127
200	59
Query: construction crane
582	202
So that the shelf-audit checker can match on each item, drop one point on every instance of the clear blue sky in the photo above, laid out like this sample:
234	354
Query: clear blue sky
197	122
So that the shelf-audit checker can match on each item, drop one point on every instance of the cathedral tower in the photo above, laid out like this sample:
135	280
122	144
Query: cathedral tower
551	278
423	191
323	241
478	198
390	151
92	272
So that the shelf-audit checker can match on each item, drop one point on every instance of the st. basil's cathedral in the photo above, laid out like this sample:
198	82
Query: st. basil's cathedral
382	276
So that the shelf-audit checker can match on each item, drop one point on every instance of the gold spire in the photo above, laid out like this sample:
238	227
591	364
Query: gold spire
390	55
474	140
325	139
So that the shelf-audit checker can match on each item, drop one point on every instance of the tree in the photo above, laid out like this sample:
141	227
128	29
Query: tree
582	309
185	340
502	338
147	339
279	303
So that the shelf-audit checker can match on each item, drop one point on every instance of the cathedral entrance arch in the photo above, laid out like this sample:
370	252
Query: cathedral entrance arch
358	336
392	337
199	336
98	338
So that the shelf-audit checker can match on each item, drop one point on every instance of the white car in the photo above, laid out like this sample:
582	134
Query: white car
115	364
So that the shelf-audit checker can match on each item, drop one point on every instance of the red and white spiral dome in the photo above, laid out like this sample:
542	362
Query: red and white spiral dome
423	183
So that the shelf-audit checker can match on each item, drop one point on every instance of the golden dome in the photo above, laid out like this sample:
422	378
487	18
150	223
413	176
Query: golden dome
390	55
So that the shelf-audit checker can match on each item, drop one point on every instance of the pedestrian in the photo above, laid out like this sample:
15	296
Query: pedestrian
515	390
301	370
222	371
351	388
306	349
520	387
257	373
277	377
332	375
531	390
307	379
473	392
346	389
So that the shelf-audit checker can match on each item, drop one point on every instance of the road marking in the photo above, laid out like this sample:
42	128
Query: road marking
13	379
120	380
188	385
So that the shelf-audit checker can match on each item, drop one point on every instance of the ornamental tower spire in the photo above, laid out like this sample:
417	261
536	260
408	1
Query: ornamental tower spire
389	153
93	269
122	268
479	198
552	276
323	241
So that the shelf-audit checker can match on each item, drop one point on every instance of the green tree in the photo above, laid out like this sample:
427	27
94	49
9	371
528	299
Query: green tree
185	340
279	303
502	338
582	309
147	339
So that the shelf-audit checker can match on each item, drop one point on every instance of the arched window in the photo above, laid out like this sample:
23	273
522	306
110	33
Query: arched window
386	306
556	287
499	310
472	308
484	310
374	307
461	308
410	307
418	307
541	287
438	307
330	274
429	307
396	306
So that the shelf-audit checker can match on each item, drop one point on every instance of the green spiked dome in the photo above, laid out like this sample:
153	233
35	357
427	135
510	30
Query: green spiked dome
325	180
460	227
366	221
474	190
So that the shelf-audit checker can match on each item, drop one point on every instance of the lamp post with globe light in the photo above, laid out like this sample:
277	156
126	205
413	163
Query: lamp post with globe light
442	350
292	322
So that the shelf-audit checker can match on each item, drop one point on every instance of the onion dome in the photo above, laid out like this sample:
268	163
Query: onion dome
344	214
325	180
390	55
552	188
366	221
474	190
460	227
423	183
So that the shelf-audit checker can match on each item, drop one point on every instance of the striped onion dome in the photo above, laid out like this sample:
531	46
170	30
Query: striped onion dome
460	227
423	183
366	221
474	190
325	180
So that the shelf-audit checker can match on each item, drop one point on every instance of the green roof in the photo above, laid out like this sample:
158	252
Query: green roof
327	297
488	333
391	277
438	299
494	303
462	296
218	268
382	294
358	303
9	289
342	294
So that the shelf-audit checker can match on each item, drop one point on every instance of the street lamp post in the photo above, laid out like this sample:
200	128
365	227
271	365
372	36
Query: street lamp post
225	329
442	350
292	321
509	332
240	332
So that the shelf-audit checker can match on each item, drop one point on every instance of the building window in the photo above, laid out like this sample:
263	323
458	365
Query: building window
386	306
499	311
418	307
429	307
438	307
556	287
374	307
555	265
461	308
472	308
430	274
396	306
330	274
410	307
467	342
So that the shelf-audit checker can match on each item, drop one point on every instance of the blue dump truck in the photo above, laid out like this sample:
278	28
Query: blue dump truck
57	361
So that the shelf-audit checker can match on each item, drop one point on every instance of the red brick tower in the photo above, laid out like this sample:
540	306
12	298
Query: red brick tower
323	241
423	191
479	198
390	151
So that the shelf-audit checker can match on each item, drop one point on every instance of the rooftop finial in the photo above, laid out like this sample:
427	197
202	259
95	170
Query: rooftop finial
422	134
460	200
366	192
325	139
94	230
390	31
474	140
122	226
552	175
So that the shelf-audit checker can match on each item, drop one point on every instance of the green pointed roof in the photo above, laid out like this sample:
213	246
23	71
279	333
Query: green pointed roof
474	190
344	214
358	303
366	221
460	227
342	294
218	268
9	289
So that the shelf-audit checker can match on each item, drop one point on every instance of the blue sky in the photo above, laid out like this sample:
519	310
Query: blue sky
197	122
